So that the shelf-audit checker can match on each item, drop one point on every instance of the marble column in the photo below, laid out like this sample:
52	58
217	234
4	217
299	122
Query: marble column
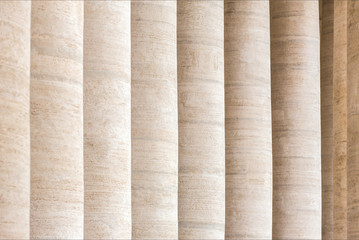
340	120
57	120
14	119
327	135
248	120
296	119
154	120
201	119
107	119
353	119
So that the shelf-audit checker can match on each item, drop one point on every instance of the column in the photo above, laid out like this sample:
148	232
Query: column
56	120
248	120
201	119
296	119
353	119
154	120
107	119
340	120
14	119
326	73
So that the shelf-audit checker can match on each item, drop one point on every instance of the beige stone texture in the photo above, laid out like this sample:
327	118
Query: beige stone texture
154	120
353	119
57	120
14	119
248	120
296	119
340	120
107	119
201	119
327	135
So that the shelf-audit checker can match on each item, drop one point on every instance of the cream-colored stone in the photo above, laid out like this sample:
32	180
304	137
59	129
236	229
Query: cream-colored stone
248	120
107	119
201	119
296	119
14	119
56	120
154	120
326	60
353	119
340	120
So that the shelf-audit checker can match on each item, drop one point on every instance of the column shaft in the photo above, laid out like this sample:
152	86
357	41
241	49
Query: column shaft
56	120
248	120
296	119
340	120
353	119
201	119
326	58
107	119
154	120
14	119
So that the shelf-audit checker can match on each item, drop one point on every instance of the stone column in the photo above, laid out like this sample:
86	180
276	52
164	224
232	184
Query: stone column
107	119
14	119
326	60
56	120
296	119
248	120
340	120
154	120
353	119
201	119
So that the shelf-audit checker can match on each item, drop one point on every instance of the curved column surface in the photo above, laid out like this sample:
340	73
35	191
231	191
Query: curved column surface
248	120
154	120
56	120
14	119
296	119
201	119
353	119
107	119
327	135
340	120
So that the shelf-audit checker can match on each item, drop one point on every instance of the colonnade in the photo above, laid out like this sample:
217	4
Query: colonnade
165	119
340	163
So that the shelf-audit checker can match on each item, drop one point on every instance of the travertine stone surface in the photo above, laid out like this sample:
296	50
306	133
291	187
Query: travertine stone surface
201	120
326	82
107	119
14	119
340	120
56	120
353	119
296	119
248	120
154	120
